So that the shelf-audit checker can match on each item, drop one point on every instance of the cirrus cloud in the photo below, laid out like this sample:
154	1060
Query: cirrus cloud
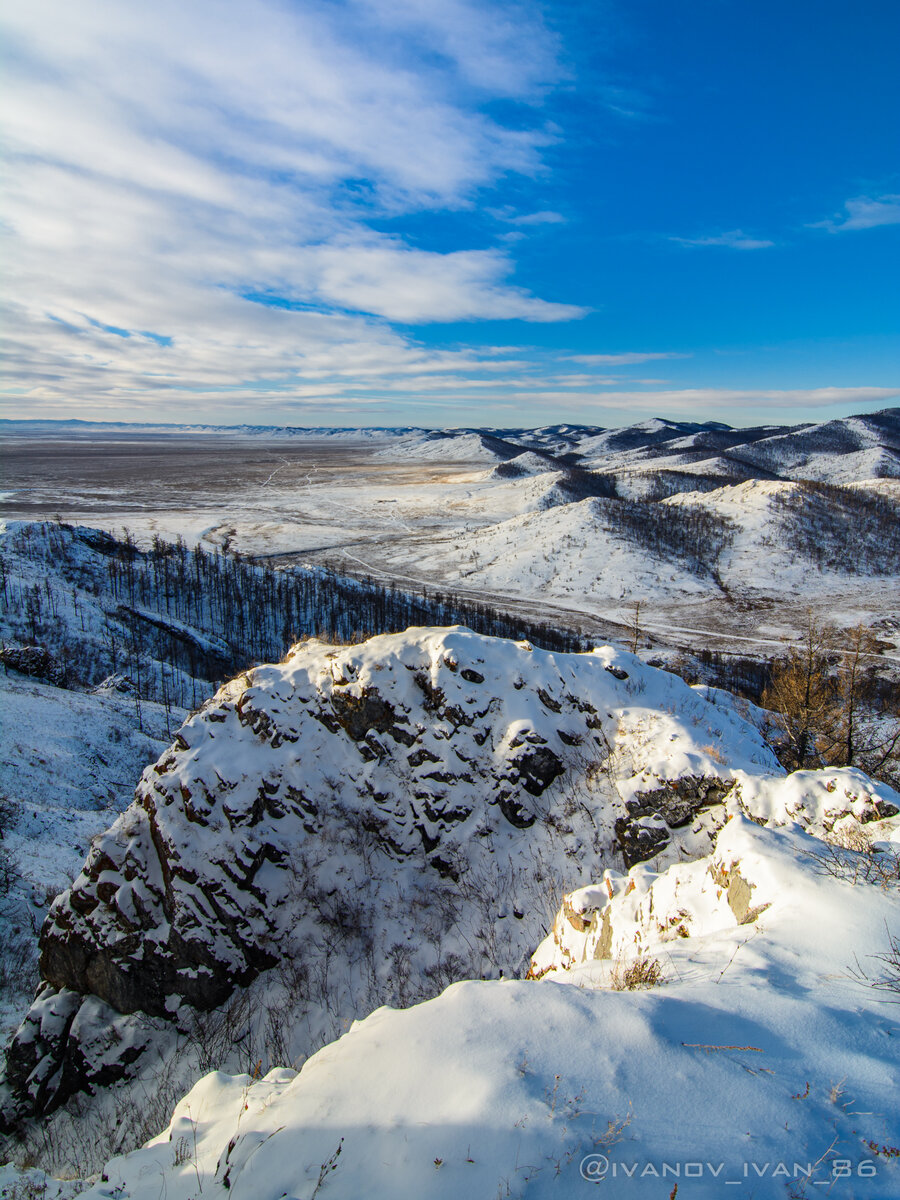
734	239
170	166
864	212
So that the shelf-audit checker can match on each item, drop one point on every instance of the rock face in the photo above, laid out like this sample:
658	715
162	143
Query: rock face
653	815
363	825
623	919
35	661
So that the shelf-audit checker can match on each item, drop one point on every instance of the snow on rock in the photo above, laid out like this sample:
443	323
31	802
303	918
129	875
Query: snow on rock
819	801
362	825
422	800
759	1063
625	917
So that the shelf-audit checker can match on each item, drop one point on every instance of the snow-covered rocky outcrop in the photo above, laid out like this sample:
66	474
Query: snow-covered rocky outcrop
362	825
762	1060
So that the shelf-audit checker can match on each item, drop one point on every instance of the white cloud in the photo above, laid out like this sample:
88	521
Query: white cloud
863	212
167	161
734	239
738	400
478	38
544	217
416	285
619	360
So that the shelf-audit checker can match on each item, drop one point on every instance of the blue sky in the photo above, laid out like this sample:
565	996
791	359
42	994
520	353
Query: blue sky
443	212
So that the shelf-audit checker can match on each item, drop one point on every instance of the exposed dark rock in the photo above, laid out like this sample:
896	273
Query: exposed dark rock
68	1043
34	661
357	713
537	769
514	812
422	755
434	696
646	829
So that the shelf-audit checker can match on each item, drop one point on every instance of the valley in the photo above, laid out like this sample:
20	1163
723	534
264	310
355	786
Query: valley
720	534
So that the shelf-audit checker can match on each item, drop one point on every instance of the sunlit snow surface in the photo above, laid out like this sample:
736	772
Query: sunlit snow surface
763	1052
758	1060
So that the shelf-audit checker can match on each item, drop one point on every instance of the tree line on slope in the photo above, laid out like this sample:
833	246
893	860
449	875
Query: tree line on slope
689	534
850	530
174	619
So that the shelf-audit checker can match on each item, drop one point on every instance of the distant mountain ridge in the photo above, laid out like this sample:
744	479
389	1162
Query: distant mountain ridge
845	449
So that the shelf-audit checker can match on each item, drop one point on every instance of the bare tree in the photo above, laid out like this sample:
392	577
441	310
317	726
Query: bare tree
804	693
635	627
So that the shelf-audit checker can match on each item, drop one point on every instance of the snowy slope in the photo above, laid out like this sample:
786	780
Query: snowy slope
759	1062
840	451
566	550
68	764
421	786
527	463
760	557
365	824
789	537
463	445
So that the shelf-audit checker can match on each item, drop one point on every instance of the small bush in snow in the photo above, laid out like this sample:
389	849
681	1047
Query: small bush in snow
641	972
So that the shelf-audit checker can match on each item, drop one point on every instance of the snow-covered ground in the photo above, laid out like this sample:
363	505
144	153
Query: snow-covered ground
373	796
569	552
68	765
761	1064
495	511
764	913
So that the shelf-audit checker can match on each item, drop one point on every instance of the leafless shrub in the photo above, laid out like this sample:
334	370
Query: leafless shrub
10	874
215	1036
886	975
18	964
850	854
641	972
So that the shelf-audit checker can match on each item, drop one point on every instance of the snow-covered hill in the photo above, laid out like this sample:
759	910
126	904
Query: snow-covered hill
841	451
364	825
793	536
844	450
574	550
450	445
425	507
758	1056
